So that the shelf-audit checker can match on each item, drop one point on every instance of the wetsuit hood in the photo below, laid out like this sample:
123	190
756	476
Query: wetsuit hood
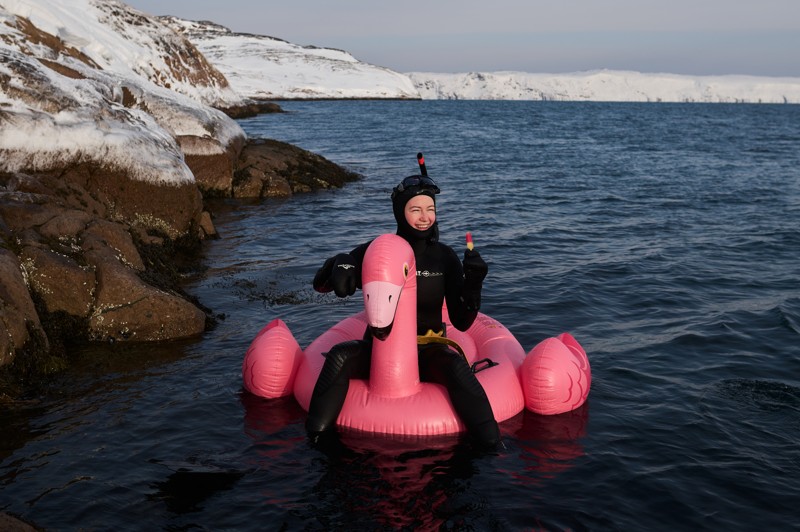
404	229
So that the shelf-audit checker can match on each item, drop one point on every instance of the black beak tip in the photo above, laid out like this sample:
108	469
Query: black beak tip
381	333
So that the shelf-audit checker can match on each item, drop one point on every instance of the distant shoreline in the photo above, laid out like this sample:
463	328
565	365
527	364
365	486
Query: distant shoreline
543	100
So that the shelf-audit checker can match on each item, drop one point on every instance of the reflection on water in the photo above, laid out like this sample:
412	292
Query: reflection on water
548	445
409	482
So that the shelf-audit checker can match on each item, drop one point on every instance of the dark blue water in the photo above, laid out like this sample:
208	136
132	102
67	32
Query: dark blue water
664	237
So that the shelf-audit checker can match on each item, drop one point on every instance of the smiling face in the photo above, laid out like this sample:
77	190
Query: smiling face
420	212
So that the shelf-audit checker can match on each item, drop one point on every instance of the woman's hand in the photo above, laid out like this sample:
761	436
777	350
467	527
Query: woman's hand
337	274
343	275
475	268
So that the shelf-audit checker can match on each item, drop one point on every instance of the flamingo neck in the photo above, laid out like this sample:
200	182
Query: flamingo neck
394	370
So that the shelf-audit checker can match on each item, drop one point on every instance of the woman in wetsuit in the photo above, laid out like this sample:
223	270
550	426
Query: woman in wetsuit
441	277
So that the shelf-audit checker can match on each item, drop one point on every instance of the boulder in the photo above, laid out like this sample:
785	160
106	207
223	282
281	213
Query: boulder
210	162
117	237
172	210
59	281
65	225
251	108
126	308
71	267
270	168
18	317
9	523
207	225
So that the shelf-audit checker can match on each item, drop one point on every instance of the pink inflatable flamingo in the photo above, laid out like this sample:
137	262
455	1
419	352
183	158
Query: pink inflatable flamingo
553	378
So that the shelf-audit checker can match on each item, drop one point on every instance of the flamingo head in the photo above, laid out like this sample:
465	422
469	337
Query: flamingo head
387	270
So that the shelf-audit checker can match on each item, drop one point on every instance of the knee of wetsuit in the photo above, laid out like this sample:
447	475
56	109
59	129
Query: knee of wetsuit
318	425
343	354
459	372
340	365
486	435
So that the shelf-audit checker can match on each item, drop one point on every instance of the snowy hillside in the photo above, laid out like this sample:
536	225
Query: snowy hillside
263	67
607	86
96	81
123	40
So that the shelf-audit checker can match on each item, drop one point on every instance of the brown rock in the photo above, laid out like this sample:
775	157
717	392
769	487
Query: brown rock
22	215
210	163
252	182
171	210
17	313
207	225
65	225
252	108
77	232
249	184
115	236
127	308
49	190
284	169
9	523
60	282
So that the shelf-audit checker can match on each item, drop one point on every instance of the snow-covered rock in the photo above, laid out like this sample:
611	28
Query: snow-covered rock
67	96
94	140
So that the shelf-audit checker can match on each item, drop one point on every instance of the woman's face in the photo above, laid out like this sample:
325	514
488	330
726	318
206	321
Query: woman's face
420	212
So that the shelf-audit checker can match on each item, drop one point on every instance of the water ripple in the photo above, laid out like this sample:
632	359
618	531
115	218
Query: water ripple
664	237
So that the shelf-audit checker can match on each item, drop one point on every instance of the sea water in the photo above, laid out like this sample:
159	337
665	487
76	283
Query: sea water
664	237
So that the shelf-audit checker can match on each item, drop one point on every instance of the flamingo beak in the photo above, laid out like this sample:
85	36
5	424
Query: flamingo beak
381	333
380	305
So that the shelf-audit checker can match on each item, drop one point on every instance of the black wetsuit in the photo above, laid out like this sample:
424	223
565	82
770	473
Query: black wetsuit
440	277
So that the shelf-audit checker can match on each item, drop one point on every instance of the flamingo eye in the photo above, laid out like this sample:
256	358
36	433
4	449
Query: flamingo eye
405	270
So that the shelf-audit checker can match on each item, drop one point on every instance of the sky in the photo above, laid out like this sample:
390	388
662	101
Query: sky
692	37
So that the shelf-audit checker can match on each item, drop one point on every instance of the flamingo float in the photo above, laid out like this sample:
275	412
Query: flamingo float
554	377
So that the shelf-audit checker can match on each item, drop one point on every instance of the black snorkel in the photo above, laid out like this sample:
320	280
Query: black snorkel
421	160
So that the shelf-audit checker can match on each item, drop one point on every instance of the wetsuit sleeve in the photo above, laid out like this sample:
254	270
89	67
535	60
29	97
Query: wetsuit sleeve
341	273
462	310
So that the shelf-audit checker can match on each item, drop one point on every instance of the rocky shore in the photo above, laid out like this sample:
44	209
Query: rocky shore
89	254
114	129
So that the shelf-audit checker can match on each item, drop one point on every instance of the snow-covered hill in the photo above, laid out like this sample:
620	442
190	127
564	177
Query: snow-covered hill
123	40
99	82
264	67
607	86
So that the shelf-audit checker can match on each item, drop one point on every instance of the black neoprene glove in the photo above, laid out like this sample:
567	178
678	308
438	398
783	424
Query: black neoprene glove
475	270
343	275
322	280
337	274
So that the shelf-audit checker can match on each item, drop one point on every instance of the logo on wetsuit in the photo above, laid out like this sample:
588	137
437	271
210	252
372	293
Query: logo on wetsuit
426	273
